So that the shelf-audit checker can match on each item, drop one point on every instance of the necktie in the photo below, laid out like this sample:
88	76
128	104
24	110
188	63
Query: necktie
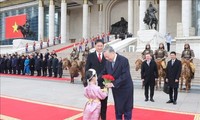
99	57
172	62
113	64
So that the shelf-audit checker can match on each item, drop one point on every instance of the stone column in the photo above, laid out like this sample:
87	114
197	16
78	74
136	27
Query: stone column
163	17
89	24
100	9
142	10
186	16
130	16
68	15
85	18
63	21
51	21
41	20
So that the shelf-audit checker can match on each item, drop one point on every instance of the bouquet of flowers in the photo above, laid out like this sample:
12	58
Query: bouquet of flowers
108	78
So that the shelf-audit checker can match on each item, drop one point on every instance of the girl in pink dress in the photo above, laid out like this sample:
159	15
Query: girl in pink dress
94	93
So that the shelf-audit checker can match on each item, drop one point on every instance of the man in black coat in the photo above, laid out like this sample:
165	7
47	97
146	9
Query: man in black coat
96	60
122	86
55	65
14	63
22	64
44	67
149	73
60	67
9	64
2	64
5	64
38	65
173	74
49	65
32	65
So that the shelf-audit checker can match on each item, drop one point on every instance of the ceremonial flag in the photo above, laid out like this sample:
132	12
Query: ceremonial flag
12	23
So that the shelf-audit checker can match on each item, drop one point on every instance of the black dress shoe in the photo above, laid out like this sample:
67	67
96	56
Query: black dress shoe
146	100
174	103
170	101
152	100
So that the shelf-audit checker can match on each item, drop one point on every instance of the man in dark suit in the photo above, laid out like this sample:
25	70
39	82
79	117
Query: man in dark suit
55	65
149	73
173	73
49	65
32	65
38	65
14	63
122	86
97	61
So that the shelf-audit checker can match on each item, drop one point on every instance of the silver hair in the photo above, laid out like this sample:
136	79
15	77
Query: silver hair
108	48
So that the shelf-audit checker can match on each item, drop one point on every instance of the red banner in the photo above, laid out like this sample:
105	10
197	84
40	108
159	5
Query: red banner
12	24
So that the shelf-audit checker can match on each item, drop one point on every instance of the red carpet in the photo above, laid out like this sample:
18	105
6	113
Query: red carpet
35	77
144	114
36	111
67	47
32	111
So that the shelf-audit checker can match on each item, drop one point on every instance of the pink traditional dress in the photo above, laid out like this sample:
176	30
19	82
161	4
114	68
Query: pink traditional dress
93	106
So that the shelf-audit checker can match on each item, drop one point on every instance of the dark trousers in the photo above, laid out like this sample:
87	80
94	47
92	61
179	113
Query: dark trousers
173	93
19	71
168	47
60	72
50	72
146	92
104	108
22	69
55	71
6	70
32	71
10	70
127	116
1	70
44	71
14	70
39	72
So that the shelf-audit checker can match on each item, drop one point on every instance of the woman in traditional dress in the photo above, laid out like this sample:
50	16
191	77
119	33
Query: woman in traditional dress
26	66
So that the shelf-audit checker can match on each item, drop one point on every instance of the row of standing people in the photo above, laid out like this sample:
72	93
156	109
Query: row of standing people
28	64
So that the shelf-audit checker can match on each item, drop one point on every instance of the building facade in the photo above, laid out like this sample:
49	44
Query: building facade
76	19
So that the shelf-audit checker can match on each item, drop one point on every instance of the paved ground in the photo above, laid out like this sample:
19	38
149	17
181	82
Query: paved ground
64	93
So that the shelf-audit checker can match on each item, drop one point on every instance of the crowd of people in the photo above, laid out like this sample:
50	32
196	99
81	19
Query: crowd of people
36	63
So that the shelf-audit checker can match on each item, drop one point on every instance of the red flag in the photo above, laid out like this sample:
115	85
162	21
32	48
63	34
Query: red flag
12	24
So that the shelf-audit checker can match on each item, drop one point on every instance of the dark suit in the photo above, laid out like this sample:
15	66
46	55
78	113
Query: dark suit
9	67
49	66
32	66
38	66
149	73
2	64
123	86
93	62
60	69
55	66
44	67
173	73
14	64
